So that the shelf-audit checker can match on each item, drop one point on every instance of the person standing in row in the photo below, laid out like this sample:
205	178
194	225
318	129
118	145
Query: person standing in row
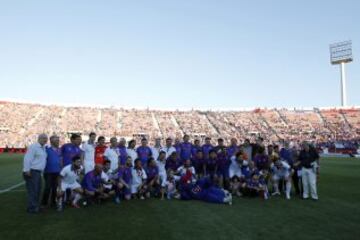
89	153
308	160
34	164
52	170
100	150
70	150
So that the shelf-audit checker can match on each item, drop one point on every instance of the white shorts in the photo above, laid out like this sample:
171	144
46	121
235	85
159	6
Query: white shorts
234	172
279	176
71	186
134	188
163	178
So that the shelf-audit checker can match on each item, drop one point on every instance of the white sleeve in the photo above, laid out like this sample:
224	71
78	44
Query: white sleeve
106	153
104	176
193	170
63	172
144	175
286	165
29	156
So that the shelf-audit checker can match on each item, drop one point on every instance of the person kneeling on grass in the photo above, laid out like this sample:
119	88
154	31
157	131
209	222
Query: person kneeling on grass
281	171
255	186
123	181
108	179
138	182
68	180
93	185
203	189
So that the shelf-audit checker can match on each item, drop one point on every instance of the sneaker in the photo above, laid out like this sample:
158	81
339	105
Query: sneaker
288	196
275	193
117	200
59	208
266	195
142	198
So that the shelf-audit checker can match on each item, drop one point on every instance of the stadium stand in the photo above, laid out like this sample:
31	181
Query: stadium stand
20	123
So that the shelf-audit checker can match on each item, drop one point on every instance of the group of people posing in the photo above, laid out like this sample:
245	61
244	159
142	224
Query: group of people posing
93	171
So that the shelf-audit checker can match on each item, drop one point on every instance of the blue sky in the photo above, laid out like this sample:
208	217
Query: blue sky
177	54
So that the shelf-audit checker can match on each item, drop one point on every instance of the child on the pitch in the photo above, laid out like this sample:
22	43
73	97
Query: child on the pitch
93	184
235	185
170	186
161	163
123	181
69	180
138	183
153	179
281	171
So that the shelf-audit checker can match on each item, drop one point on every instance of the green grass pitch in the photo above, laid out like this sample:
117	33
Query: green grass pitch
335	216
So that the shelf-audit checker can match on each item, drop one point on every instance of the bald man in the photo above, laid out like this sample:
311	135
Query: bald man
92	184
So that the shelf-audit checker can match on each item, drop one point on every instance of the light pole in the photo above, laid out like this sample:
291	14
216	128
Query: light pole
341	53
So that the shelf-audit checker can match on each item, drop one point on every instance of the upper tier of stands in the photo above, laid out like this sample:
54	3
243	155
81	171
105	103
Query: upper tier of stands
20	123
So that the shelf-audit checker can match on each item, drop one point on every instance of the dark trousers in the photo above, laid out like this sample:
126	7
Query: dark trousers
33	187
51	183
297	183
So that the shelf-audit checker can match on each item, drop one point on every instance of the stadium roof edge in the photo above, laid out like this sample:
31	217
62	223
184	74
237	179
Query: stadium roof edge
174	108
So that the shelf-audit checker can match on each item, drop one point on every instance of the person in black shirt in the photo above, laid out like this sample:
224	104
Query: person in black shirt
308	161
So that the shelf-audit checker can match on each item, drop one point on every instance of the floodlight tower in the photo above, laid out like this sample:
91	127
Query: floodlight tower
341	53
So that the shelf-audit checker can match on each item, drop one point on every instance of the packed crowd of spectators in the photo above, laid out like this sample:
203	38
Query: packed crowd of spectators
20	124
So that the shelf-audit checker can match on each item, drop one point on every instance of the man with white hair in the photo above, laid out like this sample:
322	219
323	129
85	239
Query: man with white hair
34	165
52	171
168	149
112	154
122	151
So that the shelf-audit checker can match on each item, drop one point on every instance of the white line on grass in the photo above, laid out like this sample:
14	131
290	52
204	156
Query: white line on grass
12	187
